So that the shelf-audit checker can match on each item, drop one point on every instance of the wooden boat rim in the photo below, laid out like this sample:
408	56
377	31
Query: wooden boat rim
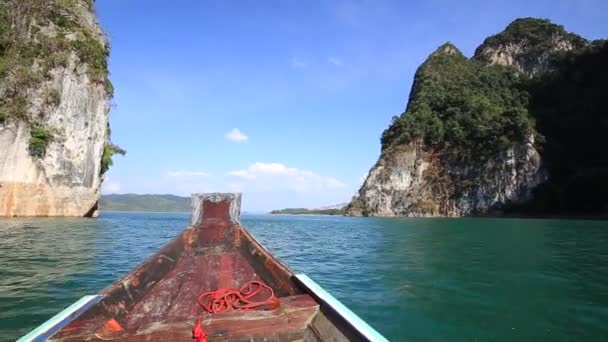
61	319
351	318
305	284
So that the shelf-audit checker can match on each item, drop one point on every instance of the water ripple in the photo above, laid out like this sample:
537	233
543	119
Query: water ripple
414	279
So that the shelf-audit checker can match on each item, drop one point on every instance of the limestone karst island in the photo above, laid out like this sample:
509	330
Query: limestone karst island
312	171
54	103
518	127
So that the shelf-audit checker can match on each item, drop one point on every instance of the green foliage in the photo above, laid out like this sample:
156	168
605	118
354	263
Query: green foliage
109	151
94	53
13	108
25	77
6	38
109	87
67	4
6	31
51	52
4	66
26	63
534	32
39	141
106	159
462	106
89	49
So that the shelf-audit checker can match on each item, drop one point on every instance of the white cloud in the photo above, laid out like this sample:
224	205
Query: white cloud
277	176
335	61
298	63
236	135
264	169
187	174
241	173
109	187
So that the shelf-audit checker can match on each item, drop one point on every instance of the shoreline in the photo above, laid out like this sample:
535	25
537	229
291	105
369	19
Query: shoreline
603	217
530	217
163	212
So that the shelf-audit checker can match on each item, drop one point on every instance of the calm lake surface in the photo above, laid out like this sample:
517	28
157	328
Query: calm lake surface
412	279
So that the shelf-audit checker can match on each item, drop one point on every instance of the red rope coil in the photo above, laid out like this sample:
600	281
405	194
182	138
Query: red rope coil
253	295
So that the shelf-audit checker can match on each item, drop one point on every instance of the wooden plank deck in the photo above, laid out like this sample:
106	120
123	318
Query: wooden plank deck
287	323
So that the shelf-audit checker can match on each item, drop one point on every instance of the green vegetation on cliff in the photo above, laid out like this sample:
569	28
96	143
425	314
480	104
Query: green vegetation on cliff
32	45
109	150
39	140
464	107
37	37
539	37
147	203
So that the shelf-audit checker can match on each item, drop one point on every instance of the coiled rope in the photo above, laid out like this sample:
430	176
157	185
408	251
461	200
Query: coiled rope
254	295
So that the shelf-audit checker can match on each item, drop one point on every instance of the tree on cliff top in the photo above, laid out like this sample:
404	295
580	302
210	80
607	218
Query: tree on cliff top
462	107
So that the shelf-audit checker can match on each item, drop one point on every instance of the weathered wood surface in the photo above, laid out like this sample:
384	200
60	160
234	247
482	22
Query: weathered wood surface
322	329
290	319
157	301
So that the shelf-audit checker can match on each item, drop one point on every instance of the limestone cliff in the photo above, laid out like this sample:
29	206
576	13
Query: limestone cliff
416	180
527	45
467	143
54	106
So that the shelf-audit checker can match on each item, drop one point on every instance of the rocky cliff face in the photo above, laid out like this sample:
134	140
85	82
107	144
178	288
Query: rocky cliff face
527	45
54	109
466	143
416	181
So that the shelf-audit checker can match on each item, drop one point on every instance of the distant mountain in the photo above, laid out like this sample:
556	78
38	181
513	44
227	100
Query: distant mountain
335	206
135	202
336	209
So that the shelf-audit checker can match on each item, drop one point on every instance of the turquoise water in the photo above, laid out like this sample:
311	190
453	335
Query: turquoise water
412	279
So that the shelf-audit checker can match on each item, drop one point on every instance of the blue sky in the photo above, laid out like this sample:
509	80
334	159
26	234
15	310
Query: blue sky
282	100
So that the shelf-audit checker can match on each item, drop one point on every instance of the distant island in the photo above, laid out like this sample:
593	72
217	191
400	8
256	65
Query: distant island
337	209
146	203
179	204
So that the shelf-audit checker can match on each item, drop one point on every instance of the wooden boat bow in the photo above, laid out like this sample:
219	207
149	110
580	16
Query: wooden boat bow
157	301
